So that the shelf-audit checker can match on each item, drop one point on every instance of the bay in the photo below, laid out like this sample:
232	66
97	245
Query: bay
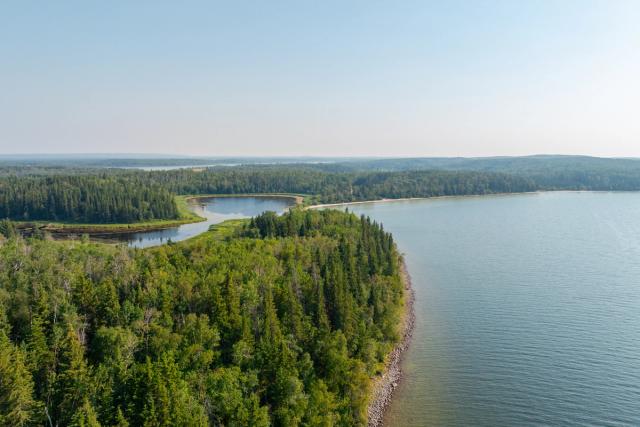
527	309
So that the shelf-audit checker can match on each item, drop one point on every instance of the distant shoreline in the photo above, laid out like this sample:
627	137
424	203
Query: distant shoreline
459	196
407	199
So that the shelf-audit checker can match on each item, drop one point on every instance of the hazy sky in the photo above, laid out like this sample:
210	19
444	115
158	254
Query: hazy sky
392	78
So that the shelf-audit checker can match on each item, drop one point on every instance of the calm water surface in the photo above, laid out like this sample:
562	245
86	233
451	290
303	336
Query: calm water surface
528	309
215	210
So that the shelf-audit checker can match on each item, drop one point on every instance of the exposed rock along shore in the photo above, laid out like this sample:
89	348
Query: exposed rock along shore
385	385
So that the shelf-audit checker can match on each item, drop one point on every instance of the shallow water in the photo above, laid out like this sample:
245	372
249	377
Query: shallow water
527	309
215	210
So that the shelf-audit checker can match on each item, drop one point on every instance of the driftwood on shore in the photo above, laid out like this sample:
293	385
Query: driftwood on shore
385	385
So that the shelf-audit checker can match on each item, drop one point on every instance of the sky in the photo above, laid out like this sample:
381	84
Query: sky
329	78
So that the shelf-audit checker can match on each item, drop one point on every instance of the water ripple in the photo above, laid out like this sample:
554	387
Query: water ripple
527	310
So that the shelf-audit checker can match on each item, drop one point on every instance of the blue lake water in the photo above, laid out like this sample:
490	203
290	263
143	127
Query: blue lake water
527	306
215	210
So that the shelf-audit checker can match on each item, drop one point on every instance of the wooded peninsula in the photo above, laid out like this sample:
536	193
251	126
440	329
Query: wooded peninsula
280	320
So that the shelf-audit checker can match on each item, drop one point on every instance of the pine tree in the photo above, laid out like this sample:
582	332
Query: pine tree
17	405
85	416
39	356
73	383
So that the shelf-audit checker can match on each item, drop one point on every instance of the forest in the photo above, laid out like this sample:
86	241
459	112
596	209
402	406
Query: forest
110	195
84	198
330	187
117	196
280	322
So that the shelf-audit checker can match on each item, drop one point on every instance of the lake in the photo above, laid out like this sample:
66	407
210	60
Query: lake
527	309
215	210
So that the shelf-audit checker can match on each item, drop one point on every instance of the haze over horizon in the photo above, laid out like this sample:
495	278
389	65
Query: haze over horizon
417	79
169	156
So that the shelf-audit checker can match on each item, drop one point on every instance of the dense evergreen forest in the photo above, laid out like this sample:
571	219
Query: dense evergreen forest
134	196
337	187
84	198
280	322
101	195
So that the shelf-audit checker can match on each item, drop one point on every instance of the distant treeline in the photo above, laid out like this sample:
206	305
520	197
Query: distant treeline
338	187
118	195
82	198
494	176
523	165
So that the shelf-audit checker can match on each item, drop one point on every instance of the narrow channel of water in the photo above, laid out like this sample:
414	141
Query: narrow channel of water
215	210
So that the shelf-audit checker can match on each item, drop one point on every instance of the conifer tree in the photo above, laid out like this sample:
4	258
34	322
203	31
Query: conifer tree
17	404
73	383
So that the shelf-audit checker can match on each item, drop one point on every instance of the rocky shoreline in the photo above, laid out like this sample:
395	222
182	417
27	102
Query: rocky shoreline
385	384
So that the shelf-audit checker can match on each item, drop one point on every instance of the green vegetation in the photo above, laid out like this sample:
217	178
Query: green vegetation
324	187
123	196
336	187
546	172
185	216
87	199
275	321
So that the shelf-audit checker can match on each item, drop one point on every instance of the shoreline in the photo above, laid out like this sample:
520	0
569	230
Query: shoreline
459	196
384	385
62	229
104	229
71	228
408	199
298	198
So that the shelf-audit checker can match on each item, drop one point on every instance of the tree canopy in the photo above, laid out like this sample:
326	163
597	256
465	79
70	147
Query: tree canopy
282	323
84	198
127	196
